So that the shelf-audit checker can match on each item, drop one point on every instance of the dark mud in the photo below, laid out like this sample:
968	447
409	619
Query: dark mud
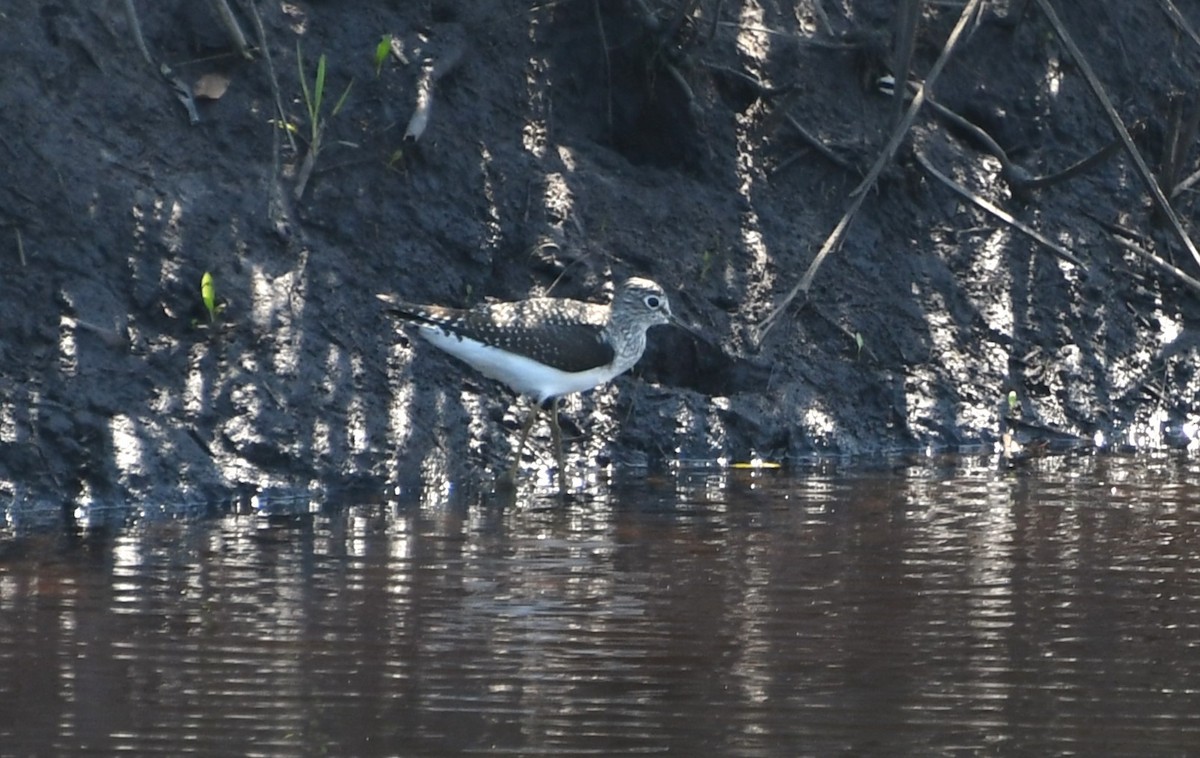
573	144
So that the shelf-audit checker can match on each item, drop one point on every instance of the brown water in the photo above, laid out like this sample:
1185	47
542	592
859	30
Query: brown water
917	609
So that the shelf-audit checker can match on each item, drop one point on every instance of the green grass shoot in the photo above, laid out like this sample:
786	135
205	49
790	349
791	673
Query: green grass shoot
381	52
314	96
208	293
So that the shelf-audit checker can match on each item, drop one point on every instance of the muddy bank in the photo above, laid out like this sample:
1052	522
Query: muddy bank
568	146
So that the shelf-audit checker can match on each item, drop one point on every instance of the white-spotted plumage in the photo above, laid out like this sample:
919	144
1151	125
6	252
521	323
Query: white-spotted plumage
546	347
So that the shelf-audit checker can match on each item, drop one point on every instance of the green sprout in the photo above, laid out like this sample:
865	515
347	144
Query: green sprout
706	262
208	293
314	100
314	97
381	52
395	159
858	340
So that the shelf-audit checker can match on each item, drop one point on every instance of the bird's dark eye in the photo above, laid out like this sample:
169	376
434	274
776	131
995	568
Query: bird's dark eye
653	302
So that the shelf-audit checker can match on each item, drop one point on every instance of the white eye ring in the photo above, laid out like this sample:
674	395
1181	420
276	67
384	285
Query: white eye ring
652	302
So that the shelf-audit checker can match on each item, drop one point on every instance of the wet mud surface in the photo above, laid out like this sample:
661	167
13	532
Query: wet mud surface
568	146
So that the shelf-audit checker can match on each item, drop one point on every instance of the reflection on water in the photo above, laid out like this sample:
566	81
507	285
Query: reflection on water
917	609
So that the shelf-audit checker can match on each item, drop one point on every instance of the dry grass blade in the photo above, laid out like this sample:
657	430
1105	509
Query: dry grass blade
1179	273
906	19
231	25
135	28
999	213
1098	90
1178	19
1019	180
433	68
885	156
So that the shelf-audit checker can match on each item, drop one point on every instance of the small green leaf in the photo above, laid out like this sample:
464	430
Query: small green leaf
381	52
341	100
208	292
303	81
319	85
1012	400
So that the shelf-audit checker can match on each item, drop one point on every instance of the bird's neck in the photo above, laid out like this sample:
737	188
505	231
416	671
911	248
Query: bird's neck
628	343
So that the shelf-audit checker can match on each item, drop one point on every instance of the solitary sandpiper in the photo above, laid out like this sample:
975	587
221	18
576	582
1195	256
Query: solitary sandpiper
545	347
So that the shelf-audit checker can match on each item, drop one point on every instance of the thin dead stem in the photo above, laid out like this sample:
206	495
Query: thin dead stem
859	194
1101	94
999	213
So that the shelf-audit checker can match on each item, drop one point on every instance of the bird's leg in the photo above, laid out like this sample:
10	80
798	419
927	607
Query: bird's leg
556	435
533	414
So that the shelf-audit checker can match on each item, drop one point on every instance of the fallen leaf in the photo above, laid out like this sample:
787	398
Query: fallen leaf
211	86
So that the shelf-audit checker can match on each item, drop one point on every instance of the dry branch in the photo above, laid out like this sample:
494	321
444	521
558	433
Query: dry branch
1173	13
1186	184
1098	90
432	70
135	27
817	145
885	156
906	19
236	36
608	80
999	213
277	204
1179	273
1020	180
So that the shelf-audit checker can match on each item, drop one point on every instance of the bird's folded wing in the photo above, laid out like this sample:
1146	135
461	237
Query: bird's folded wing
573	348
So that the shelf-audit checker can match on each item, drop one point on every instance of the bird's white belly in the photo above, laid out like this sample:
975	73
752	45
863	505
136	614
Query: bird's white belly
522	374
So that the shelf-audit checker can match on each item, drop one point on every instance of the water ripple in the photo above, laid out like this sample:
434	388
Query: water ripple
913	608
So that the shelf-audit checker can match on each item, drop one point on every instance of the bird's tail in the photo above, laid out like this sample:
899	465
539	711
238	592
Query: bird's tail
413	313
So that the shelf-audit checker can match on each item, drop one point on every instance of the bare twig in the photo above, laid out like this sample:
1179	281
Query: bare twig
110	337
304	173
608	82
432	70
1020	180
261	32
1186	184
781	111
1184	121
278	208
822	19
999	213
827	44
1173	13
818	145
906	18
764	90
716	16
979	133
885	156
135	26
649	20
671	32
232	26
20	247
1179	273
1143	170
1075	169
693	108
183	93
